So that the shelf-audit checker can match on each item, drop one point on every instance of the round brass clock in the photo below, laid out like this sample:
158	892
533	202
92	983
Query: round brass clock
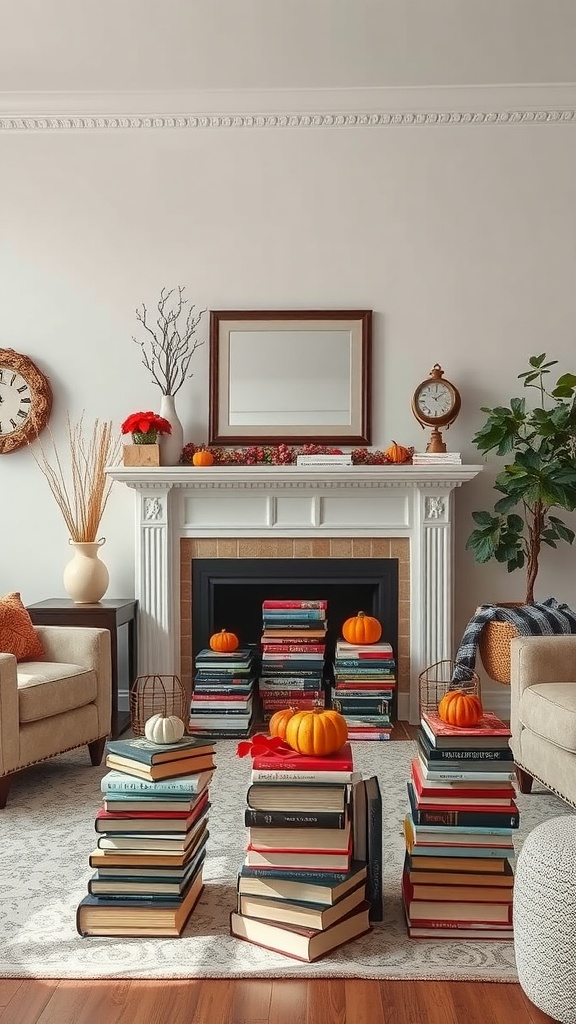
436	403
25	400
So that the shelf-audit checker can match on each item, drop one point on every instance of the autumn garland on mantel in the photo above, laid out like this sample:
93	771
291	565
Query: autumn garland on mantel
285	455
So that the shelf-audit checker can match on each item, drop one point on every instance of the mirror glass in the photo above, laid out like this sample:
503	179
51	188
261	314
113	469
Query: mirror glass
291	376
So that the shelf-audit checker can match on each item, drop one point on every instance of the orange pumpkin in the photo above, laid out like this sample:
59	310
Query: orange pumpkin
223	642
202	458
362	629
397	453
317	733
460	708
279	721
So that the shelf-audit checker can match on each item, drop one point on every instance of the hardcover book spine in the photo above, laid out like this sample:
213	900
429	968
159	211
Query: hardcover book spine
131	784
292	819
305	777
294	603
374	845
473	754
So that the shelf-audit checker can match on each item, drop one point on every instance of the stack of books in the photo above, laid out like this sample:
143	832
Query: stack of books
293	651
458	871
436	459
301	890
224	701
152	832
364	687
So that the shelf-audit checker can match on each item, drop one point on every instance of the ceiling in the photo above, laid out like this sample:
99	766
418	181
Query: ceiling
182	45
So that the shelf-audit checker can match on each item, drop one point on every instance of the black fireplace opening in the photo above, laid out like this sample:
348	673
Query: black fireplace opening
227	593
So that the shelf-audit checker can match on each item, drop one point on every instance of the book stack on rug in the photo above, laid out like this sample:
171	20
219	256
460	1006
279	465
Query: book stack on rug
364	688
224	703
301	889
152	832
458	871
293	652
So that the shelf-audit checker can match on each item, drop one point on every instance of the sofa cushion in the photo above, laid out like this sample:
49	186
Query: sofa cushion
51	688
549	710
17	633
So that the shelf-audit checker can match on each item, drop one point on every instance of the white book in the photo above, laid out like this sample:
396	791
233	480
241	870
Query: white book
324	460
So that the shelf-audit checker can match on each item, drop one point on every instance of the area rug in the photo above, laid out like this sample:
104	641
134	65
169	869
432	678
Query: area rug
47	832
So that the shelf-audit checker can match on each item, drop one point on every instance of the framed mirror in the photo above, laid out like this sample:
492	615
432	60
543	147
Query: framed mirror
298	376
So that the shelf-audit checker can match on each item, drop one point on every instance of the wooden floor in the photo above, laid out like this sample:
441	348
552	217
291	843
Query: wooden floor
253	1001
264	1002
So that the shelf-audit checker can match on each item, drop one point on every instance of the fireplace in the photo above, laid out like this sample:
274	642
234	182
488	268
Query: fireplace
228	593
403	513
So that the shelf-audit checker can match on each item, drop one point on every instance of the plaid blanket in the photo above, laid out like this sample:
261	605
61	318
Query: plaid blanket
545	618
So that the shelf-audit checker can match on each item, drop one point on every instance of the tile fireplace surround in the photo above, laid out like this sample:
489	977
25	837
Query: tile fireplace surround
403	512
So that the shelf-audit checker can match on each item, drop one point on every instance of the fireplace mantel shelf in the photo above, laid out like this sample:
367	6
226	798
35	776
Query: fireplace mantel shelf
413	503
312	477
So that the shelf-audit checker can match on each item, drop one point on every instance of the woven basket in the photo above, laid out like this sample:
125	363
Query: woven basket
494	646
436	680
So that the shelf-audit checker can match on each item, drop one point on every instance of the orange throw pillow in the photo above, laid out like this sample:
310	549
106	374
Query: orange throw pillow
17	633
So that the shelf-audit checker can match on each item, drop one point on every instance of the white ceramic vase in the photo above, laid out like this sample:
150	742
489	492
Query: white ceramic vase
85	577
171	445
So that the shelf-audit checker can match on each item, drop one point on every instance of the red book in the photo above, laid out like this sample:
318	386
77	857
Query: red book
294	604
376	655
150	821
481	792
342	761
289	648
303	703
490	731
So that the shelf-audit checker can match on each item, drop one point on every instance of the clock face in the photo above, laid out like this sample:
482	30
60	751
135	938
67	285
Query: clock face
15	400
435	400
25	400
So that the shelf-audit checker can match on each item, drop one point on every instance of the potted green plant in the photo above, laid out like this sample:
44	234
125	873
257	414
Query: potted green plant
539	476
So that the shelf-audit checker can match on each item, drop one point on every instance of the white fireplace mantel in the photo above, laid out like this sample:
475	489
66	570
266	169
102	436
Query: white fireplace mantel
414	502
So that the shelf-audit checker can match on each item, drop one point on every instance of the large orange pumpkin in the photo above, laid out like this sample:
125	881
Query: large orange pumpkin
279	721
460	708
397	453
362	629
317	733
223	642
202	458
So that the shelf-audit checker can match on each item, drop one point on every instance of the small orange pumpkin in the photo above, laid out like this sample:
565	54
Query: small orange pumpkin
279	721
398	453
362	629
460	708
223	642
202	458
316	733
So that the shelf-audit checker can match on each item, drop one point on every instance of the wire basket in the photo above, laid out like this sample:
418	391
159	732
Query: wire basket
156	695
437	679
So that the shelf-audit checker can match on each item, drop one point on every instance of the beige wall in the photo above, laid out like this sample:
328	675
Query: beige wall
459	237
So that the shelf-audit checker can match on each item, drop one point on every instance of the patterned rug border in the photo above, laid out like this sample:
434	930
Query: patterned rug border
49	831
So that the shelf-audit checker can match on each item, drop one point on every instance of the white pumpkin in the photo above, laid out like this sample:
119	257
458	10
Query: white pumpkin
159	729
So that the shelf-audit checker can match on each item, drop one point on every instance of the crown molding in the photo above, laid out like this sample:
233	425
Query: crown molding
289	108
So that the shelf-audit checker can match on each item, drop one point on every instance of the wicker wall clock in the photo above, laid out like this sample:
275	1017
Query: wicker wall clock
436	403
25	400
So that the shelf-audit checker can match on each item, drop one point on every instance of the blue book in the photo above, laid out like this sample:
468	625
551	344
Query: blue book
119	782
143	750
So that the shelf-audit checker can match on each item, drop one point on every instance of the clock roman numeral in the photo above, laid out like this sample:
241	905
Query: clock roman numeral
23	388
22	413
13	422
28	400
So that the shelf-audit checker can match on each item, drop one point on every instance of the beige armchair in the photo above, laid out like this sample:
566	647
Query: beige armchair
543	712
57	703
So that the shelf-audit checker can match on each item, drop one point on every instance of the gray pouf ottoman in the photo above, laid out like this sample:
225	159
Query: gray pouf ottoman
544	912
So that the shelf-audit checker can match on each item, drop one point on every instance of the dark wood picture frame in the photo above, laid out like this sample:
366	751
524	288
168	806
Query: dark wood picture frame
357	323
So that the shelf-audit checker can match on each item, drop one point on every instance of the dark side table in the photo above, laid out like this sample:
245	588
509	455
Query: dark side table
119	616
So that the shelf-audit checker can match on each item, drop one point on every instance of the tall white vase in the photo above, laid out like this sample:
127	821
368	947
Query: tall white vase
85	577
170	444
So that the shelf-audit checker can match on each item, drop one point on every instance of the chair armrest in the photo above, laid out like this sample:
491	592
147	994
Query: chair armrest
538	659
9	727
90	648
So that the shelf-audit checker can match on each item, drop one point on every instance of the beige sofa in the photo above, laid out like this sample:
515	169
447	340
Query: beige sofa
543	712
57	703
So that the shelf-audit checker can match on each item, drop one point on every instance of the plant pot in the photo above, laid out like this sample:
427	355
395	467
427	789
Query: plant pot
494	645
141	454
